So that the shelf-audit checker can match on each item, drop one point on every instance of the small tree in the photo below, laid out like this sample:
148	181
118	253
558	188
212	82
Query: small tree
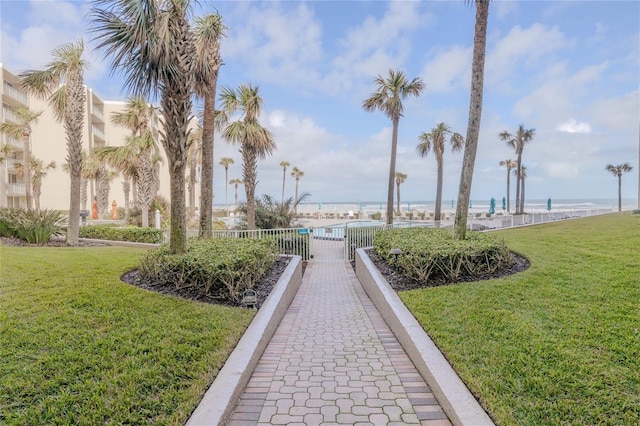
510	164
39	171
235	183
618	171
284	165
226	162
297	174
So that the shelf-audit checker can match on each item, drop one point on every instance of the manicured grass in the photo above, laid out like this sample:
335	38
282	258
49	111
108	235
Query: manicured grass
558	343
78	346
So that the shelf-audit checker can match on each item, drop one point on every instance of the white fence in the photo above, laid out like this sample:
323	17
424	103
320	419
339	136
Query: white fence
307	241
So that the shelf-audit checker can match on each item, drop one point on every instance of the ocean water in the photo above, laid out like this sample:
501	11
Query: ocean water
530	206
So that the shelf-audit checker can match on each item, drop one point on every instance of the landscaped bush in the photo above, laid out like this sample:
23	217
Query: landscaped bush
433	254
220	268
32	226
115	233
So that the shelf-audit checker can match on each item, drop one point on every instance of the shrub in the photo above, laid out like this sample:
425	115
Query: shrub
220	268
113	232
376	216
433	254
8	221
32	226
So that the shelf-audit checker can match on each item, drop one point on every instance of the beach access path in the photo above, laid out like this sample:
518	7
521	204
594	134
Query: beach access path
333	360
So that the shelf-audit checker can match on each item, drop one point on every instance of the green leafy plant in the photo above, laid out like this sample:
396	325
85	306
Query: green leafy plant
433	254
220	268
272	214
8	221
32	226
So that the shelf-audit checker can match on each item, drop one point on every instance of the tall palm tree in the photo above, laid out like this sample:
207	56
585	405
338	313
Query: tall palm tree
284	165
235	183
510	164
617	171
297	174
475	115
62	84
194	155
152	43
517	141
388	97
125	159
22	130
400	179
256	142
137	157
435	140
38	171
226	162
208	30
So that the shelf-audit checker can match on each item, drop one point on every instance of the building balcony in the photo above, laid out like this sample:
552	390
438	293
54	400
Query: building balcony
14	143
9	115
15	94
97	133
16	189
12	163
98	113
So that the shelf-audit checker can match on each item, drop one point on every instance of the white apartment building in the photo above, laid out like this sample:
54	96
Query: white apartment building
48	142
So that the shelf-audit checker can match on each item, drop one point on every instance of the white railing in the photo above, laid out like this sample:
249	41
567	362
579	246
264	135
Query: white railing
290	240
15	93
510	221
11	163
98	112
14	143
16	189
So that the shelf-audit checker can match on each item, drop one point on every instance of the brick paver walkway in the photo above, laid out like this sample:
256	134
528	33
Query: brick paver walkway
333	360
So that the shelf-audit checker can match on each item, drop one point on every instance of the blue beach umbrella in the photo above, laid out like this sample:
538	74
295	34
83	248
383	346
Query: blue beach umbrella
549	204
452	203
408	207
492	206
319	206
504	203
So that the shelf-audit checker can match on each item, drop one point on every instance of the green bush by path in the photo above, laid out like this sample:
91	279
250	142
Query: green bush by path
81	347
32	226
558	343
220	268
116	233
432	254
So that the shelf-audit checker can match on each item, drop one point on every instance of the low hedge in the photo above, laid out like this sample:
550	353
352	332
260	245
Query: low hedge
127	233
219	268
433	255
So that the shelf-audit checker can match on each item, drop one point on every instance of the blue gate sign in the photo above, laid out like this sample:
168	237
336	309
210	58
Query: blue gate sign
303	231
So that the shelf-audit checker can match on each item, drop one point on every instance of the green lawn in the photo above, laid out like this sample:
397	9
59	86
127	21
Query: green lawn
558	343
78	346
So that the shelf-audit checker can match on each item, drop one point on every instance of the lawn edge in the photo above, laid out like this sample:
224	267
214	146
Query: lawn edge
220	399
453	395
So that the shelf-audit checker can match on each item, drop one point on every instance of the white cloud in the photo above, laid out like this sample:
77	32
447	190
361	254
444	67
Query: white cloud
572	126
449	70
563	170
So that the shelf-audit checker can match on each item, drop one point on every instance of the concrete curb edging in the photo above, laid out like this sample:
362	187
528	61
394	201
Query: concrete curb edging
452	394
219	400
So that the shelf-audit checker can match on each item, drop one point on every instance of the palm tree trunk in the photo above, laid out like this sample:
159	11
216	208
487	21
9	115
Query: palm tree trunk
226	188
206	184
518	184
475	114
27	168
249	161
284	176
620	192
392	170
192	188
295	208
508	184
522	196
236	189
438	212
398	197
73	123
126	188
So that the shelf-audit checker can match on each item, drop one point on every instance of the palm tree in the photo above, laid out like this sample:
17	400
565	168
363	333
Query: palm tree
235	183
153	45
5	152
255	141
400	178
226	162
194	155
517	141
38	172
284	165
510	164
62	84
475	115
297	174
435	140
137	157
208	30
22	130
618	171
388	98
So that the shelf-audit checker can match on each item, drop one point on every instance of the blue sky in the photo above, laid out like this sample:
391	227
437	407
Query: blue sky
571	70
